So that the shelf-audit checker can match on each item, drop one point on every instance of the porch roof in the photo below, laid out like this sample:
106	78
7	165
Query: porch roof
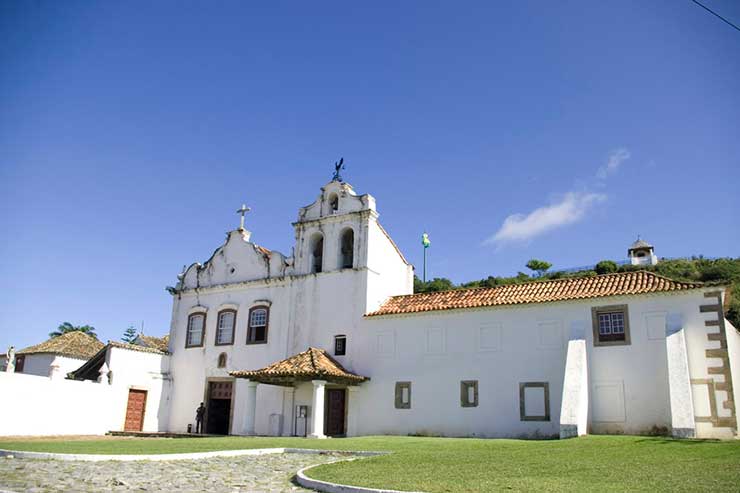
312	364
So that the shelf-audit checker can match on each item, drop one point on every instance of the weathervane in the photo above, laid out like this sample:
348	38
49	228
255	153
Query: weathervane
337	168
243	210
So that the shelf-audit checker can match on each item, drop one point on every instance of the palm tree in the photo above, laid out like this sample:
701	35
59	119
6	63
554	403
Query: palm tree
68	327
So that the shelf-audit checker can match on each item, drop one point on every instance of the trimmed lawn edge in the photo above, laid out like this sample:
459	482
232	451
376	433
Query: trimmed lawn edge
328	487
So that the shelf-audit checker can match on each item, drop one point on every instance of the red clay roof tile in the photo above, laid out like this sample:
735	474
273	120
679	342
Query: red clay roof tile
624	283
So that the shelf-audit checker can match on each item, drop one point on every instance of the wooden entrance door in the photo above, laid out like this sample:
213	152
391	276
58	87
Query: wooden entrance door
219	407
135	410
335	409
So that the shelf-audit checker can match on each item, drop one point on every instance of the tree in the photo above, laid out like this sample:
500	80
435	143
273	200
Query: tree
436	284
606	267
539	266
68	327
129	335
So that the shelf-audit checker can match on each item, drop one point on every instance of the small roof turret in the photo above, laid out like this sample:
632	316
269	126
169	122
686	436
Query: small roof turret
640	243
642	253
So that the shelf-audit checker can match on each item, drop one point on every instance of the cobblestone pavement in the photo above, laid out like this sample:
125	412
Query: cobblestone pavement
264	473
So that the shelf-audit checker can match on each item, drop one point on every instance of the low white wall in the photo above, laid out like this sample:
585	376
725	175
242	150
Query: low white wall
45	406
35	405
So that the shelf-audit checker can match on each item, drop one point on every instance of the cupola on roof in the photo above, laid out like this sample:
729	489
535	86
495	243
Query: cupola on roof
640	243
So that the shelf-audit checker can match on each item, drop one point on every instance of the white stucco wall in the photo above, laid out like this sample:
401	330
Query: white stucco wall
628	385
38	364
41	406
142	371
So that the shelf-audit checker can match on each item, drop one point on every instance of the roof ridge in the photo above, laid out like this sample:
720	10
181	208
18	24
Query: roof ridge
537	291
313	363
543	281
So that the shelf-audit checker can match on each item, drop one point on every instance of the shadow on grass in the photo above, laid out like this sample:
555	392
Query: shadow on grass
679	441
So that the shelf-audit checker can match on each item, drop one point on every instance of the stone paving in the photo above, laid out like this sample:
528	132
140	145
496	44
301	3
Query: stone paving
256	474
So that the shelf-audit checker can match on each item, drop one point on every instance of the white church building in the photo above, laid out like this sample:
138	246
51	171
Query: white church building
331	341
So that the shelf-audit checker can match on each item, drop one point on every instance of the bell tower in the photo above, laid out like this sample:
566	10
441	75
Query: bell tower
331	232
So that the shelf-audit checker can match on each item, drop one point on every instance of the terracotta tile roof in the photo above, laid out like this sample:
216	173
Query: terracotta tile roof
73	344
160	343
313	364
625	283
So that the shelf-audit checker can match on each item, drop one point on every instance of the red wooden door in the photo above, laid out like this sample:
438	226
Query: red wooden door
335	407
135	410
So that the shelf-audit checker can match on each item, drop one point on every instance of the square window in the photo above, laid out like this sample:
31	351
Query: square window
403	395
611	325
469	393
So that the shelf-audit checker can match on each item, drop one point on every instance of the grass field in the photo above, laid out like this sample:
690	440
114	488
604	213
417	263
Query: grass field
604	463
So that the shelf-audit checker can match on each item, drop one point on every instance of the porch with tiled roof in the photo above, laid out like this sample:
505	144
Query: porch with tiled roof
313	365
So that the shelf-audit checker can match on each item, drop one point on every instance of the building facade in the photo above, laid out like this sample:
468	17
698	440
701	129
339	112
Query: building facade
331	341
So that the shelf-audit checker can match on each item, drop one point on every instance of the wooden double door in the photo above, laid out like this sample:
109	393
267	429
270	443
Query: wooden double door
335	412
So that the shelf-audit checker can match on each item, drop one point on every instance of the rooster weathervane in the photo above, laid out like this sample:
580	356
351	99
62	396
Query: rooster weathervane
338	166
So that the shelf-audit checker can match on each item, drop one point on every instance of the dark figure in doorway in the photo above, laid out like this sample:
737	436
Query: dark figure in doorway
199	415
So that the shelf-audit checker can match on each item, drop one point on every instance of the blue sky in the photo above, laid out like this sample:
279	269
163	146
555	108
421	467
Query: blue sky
130	132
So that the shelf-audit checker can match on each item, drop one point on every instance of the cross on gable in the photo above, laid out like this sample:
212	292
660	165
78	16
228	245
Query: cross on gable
243	210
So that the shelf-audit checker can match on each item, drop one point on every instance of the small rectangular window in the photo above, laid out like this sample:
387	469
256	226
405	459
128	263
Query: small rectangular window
340	345
196	327
258	322
534	401
225	327
469	393
20	362
610	325
403	395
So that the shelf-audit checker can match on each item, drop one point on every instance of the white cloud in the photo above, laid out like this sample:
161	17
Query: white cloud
570	209
615	159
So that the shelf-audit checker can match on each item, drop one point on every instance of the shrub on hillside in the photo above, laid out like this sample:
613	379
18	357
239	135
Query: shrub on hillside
606	267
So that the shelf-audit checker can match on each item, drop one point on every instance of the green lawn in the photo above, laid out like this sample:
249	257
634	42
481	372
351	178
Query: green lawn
616	463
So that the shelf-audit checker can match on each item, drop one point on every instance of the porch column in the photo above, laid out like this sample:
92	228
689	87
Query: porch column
288	410
251	408
679	381
317	416
352	410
